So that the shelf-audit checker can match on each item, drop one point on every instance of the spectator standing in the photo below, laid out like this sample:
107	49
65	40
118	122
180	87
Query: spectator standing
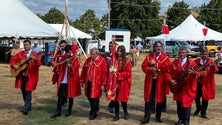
35	48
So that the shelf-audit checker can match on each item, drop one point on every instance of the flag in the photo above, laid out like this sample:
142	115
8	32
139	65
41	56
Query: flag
112	77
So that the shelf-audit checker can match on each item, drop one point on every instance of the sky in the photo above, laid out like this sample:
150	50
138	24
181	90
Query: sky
76	8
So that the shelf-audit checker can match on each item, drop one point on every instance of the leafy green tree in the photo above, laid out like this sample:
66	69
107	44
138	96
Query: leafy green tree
103	26
139	16
89	23
177	14
212	14
53	16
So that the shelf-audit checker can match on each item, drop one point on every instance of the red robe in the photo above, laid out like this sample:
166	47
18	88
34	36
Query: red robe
162	63
124	80
208	81
73	85
187	93
99	68
56	59
75	48
32	70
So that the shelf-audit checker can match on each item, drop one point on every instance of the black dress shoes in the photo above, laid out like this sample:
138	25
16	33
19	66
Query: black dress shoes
116	118
197	112
186	123
68	113
204	116
57	114
180	122
126	115
92	117
145	120
24	112
159	120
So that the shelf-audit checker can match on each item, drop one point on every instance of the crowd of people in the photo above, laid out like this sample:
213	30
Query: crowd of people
188	80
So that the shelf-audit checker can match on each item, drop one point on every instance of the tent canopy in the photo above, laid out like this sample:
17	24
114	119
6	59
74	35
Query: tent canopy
77	33
18	20
190	30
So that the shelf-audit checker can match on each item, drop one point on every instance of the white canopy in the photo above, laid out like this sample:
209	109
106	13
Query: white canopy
17	20
190	29
77	33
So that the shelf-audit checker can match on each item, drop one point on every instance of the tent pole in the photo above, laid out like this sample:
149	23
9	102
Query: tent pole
68	29
78	41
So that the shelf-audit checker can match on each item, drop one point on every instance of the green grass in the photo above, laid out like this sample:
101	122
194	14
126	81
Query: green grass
43	110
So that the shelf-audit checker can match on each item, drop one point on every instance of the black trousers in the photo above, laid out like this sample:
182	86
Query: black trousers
183	113
62	90
116	105
94	102
111	104
27	95
201	107
150	106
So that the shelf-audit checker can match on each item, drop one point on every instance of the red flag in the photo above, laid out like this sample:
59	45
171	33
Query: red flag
205	30
165	29
112	77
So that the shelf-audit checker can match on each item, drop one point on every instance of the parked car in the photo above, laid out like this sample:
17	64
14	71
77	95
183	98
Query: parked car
212	47
193	51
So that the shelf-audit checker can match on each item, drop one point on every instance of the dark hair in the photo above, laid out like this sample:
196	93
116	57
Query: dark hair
155	44
183	48
62	41
27	41
123	51
68	48
204	50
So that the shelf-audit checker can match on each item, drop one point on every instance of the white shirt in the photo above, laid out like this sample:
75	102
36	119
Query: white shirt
29	53
65	78
157	55
183	61
202	62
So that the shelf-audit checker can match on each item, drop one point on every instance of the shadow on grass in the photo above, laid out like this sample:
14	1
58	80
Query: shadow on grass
10	106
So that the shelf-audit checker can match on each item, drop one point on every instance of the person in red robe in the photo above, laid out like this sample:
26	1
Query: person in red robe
75	47
183	83
68	81
155	66
93	77
27	79
56	60
108	57
206	83
123	70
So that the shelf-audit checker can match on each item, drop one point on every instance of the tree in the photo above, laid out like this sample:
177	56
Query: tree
177	14
139	16
103	26
54	16
89	23
212	14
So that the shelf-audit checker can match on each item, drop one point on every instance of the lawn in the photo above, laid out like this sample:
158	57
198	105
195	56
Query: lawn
44	104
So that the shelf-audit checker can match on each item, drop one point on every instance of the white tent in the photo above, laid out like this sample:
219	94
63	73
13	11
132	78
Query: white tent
190	29
18	20
78	34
